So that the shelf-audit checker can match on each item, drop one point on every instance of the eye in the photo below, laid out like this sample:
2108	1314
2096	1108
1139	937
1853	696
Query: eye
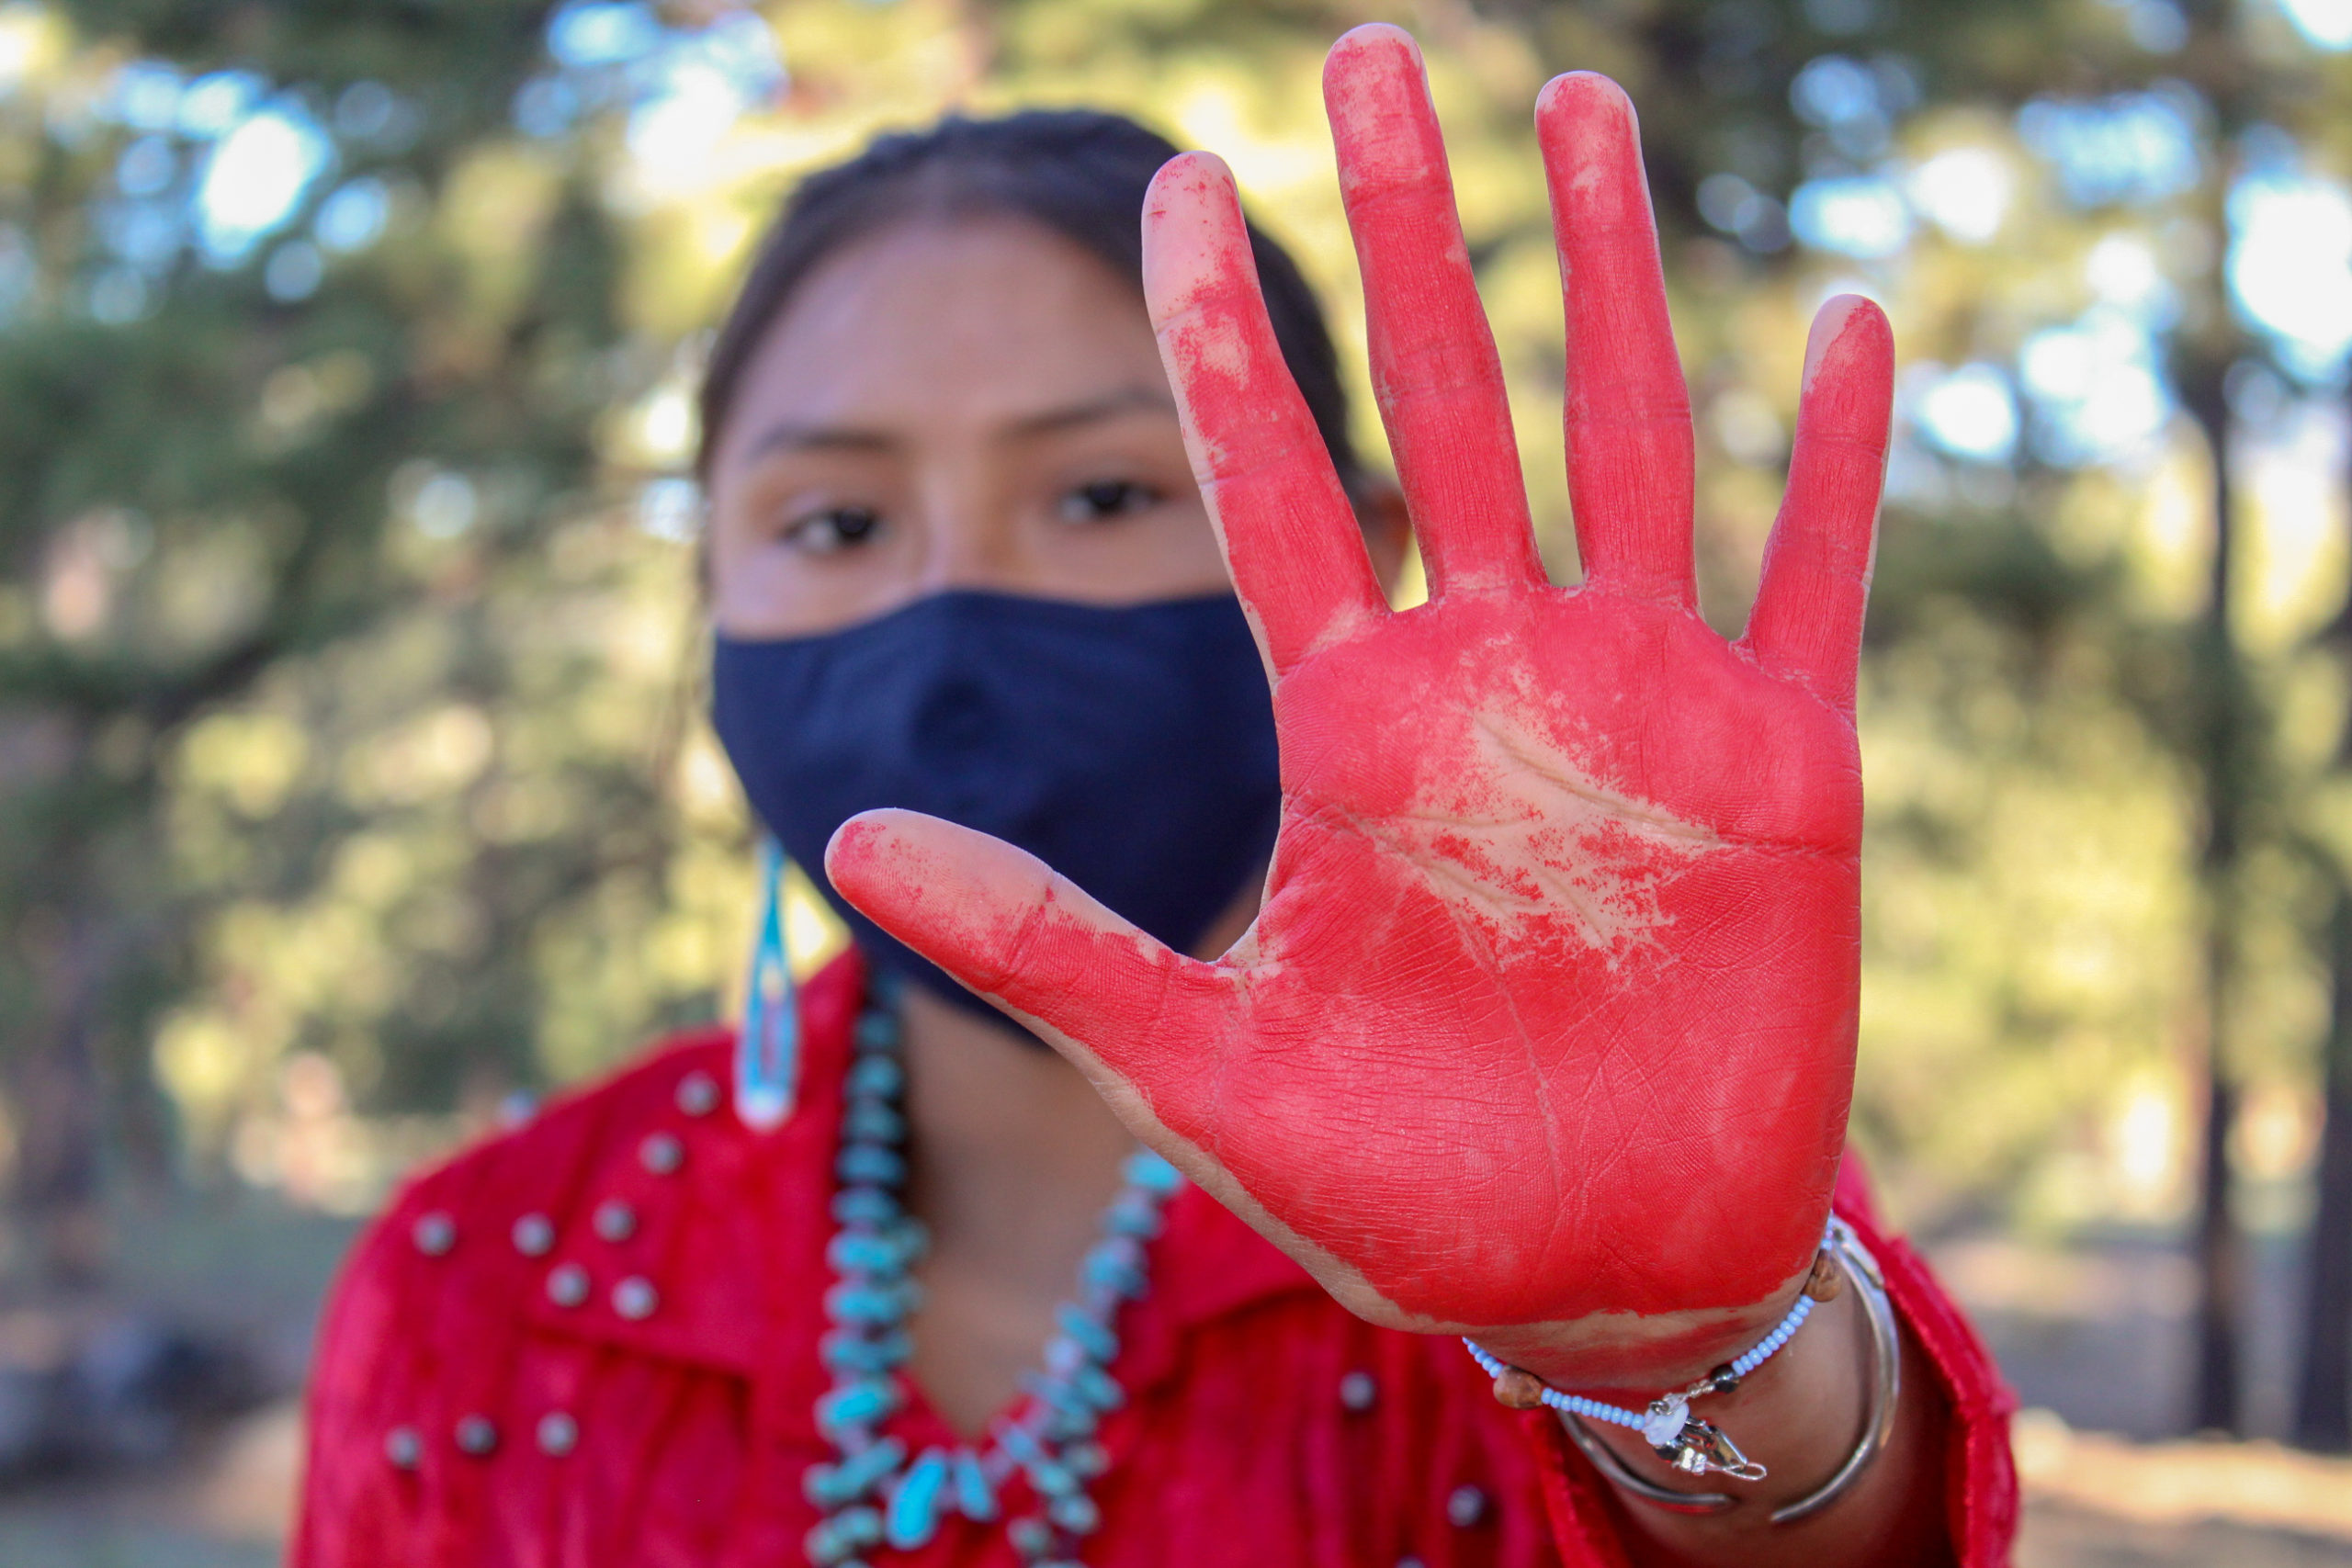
835	528
1105	499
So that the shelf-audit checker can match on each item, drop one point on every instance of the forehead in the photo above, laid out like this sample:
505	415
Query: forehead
956	320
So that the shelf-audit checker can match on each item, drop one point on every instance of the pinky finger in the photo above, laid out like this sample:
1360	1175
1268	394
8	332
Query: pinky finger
1808	623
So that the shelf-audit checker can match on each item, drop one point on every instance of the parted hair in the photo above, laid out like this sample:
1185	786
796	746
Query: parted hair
1081	172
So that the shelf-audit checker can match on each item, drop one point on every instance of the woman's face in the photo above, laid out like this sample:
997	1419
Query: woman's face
974	403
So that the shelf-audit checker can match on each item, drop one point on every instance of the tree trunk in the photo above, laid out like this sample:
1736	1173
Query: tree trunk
2324	1398
59	1106
2324	1391
2221	1271
2221	1264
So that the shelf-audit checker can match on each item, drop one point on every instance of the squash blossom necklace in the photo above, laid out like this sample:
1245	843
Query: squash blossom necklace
873	1493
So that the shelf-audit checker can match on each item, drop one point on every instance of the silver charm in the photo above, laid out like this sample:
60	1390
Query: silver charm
1700	1448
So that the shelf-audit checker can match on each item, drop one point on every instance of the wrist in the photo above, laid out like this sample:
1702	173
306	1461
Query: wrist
1793	1411
1794	1416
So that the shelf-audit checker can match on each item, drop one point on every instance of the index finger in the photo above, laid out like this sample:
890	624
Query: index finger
1290	536
1628	414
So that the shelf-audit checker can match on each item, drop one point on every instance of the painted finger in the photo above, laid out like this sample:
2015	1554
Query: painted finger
1290	536
1434	370
1808	623
1128	1011
1628	409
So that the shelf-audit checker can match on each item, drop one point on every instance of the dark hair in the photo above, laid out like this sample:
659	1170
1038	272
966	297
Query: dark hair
1081	172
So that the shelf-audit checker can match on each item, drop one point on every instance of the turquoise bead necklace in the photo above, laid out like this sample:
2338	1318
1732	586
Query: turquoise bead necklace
871	1496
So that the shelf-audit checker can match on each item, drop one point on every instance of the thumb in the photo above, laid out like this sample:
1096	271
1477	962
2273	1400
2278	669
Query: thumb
1127	1011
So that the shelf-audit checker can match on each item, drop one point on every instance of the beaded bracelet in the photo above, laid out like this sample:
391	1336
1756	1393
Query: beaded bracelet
1691	1445
1844	1249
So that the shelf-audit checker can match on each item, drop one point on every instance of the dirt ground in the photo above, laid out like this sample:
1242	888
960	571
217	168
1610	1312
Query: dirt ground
2090	1336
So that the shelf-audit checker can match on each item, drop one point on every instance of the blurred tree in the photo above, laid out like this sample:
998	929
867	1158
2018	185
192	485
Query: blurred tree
2323	1416
242	318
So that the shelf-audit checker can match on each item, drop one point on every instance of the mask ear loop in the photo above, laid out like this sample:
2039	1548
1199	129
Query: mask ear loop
767	1051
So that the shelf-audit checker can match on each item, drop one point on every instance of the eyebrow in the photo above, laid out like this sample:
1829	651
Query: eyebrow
851	438
1110	405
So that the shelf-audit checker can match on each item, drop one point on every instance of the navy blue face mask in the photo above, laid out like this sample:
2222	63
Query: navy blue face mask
1131	748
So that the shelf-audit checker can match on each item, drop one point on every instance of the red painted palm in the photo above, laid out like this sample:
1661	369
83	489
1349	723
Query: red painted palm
1546	1030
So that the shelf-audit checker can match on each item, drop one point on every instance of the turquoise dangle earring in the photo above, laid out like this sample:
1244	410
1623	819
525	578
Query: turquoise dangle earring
767	1053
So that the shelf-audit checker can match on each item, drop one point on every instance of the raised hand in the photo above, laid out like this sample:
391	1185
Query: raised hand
1544	1032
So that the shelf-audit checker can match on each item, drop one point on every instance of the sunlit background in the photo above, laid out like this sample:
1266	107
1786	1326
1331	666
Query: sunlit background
354	780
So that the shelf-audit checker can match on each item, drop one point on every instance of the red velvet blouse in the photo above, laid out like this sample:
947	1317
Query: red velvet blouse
592	1341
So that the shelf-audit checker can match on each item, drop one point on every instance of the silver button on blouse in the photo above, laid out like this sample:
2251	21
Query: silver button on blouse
533	1235
662	1153
635	1298
559	1434
697	1094
404	1447
568	1284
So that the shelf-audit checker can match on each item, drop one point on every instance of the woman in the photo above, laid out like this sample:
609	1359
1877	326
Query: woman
1540	1036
